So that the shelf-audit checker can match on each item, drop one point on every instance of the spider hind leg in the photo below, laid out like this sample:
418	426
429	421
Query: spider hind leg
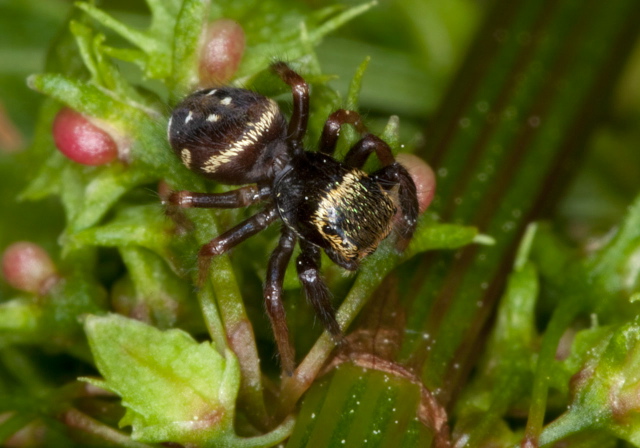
308	266
273	298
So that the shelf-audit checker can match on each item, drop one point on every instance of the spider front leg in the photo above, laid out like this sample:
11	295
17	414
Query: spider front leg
308	266
360	152
233	237
273	298
331	129
300	115
390	176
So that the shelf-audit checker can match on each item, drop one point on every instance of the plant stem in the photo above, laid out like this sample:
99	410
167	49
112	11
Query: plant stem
229	310
82	422
13	424
369	278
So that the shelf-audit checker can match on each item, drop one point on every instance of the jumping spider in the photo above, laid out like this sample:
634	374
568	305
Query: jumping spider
236	136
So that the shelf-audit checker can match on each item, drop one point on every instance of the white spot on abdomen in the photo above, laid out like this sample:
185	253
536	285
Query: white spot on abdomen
189	117
226	101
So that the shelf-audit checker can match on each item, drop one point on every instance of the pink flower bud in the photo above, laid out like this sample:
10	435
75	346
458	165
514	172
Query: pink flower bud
221	52
27	267
422	175
82	141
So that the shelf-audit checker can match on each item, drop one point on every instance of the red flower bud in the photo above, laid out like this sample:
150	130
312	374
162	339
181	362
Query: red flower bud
221	52
28	267
422	175
82	141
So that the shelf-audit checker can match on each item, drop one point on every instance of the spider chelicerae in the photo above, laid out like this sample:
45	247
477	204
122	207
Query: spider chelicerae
237	136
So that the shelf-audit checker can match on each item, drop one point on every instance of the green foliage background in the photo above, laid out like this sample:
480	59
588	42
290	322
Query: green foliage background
541	349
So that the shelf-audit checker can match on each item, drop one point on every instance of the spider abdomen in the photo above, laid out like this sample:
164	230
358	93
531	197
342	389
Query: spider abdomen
228	134
336	207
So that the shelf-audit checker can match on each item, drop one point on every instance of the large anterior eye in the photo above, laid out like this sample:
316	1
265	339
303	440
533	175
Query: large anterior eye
329	230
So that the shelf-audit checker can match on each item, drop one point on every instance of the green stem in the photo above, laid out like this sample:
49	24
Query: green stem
240	336
339	20
270	439
212	317
229	313
233	315
23	369
82	422
13	424
561	319
369	278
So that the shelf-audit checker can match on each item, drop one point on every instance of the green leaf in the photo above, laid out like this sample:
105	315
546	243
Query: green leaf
101	192
186	47
160	296
506	371
617	263
606	391
143	225
284	38
88	99
150	369
155	42
361	407
103	72
433	236
19	321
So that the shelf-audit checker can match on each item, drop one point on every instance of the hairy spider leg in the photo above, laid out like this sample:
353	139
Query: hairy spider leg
273	297
331	129
233	237
369	143
300	115
308	266
238	198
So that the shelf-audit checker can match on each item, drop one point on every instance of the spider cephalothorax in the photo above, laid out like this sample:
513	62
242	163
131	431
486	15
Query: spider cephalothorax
236	136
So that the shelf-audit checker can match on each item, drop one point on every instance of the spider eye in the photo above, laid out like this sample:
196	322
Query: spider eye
328	230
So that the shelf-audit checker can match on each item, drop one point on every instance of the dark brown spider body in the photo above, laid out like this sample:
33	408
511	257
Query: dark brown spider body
236	136
336	207
229	135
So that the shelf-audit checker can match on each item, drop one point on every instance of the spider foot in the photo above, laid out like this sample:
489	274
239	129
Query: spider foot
275	311
287	358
